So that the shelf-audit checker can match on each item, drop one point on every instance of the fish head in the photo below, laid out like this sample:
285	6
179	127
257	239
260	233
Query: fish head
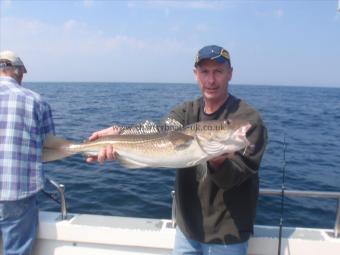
222	136
234	129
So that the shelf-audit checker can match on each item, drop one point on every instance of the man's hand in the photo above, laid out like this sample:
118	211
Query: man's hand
106	153
215	163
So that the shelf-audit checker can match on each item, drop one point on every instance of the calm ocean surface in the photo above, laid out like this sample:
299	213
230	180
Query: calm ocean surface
309	117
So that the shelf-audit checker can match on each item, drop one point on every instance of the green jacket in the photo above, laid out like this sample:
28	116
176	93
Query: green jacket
220	208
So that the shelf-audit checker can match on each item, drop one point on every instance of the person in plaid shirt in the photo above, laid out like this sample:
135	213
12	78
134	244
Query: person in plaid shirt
25	122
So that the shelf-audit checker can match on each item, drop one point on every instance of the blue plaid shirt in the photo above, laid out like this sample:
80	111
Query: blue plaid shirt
25	120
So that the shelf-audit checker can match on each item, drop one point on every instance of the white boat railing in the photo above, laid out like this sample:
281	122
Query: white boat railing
264	192
313	194
294	193
61	189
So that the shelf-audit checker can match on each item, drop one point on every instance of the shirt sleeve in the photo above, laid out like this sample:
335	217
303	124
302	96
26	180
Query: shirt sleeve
47	124
178	113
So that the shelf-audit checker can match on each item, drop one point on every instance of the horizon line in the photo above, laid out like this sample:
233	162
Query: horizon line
188	83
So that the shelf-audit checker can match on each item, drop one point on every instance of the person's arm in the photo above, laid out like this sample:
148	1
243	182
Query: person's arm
230	170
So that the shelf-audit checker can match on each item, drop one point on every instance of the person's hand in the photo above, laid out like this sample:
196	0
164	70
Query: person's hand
105	153
215	163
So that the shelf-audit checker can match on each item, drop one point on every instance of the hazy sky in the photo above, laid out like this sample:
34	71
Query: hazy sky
288	42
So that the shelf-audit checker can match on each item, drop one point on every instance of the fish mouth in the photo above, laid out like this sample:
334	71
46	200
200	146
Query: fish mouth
248	146
244	129
241	133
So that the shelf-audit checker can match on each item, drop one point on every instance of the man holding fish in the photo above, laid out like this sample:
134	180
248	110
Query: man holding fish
215	211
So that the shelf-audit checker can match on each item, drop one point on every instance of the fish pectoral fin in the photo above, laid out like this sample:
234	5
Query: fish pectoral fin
180	141
201	171
128	163
210	147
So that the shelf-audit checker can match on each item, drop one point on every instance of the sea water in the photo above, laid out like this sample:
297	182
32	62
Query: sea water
308	118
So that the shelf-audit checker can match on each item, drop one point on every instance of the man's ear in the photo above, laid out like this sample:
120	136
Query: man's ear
195	72
231	72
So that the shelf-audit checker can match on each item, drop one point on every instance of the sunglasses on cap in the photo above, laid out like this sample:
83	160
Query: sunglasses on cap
212	52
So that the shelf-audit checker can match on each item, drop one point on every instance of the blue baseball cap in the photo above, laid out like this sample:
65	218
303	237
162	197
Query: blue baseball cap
212	52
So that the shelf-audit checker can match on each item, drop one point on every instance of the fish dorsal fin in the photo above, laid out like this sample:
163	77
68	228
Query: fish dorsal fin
171	124
179	140
145	128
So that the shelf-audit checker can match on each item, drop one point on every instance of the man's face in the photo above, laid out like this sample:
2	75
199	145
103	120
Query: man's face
213	79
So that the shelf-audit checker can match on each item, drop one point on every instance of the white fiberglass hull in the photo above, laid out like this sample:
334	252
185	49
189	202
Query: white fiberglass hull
109	235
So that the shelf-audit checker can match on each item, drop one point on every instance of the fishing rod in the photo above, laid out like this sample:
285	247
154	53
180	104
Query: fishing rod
282	192
51	196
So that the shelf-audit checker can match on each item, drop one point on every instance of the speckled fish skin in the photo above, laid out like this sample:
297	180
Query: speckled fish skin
180	148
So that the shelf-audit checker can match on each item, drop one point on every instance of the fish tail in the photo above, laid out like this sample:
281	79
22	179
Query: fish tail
56	148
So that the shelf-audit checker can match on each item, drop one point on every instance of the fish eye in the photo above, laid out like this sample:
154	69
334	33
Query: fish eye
228	122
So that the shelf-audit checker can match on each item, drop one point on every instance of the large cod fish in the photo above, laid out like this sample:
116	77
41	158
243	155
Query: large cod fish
175	147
